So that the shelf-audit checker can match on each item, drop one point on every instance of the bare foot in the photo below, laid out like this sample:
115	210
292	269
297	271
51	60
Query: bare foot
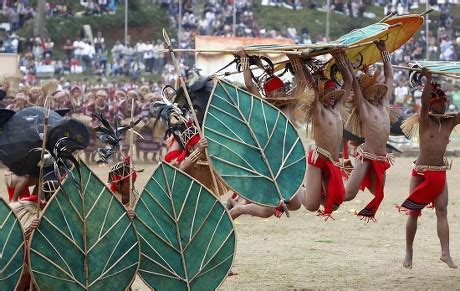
235	211
408	260
231	203
448	260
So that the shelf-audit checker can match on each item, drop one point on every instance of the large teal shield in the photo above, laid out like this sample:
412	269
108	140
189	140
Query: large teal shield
186	234
253	146
85	240
12	248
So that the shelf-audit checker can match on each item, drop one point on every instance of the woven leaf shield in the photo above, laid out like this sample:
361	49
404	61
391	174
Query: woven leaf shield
186	234
11	248
85	240
253	146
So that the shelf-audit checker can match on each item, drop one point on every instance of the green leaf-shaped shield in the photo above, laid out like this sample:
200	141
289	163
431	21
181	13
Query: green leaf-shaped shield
253	146
11	248
85	240
186	234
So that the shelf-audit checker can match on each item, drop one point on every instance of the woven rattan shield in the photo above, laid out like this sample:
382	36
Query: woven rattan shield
11	248
253	146
85	240
186	234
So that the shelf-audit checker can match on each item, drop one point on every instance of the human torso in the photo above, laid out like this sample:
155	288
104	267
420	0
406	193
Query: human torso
434	137
376	129
328	130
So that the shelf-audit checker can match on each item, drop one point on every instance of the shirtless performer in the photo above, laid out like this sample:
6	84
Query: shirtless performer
428	183
373	120
273	89
324	184
119	184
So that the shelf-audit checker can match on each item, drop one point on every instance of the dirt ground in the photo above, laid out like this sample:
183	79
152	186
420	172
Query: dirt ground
304	251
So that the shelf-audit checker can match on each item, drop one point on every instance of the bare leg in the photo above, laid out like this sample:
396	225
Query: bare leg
252	209
356	177
296	202
312	193
411	227
440	204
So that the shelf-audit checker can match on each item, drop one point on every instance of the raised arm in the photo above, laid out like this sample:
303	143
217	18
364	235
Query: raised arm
342	63
247	72
299	73
358	94
387	68
426	96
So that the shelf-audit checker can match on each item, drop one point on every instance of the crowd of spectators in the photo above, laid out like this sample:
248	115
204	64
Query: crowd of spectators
93	56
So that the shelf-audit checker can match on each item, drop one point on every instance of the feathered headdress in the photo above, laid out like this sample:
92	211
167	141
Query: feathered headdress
111	136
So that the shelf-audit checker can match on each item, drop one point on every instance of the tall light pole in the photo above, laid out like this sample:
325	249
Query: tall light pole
427	26
126	22
234	18
179	30
328	12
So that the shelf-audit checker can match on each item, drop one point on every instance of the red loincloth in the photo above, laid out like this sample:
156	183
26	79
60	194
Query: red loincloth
425	193
25	193
378	167
335	188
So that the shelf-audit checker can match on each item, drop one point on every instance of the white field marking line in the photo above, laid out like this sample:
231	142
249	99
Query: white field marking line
59	278
118	272
184	265
159	185
63	234
194	215
114	248
107	232
158	204
211	239
230	138
241	167
57	267
201	225
114	264
159	274
168	243
185	200
169	269
10	275
224	125
156	221
59	254
236	154
65	219
9	235
12	257
288	154
105	217
273	130
214	267
217	251
6	219
95	202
